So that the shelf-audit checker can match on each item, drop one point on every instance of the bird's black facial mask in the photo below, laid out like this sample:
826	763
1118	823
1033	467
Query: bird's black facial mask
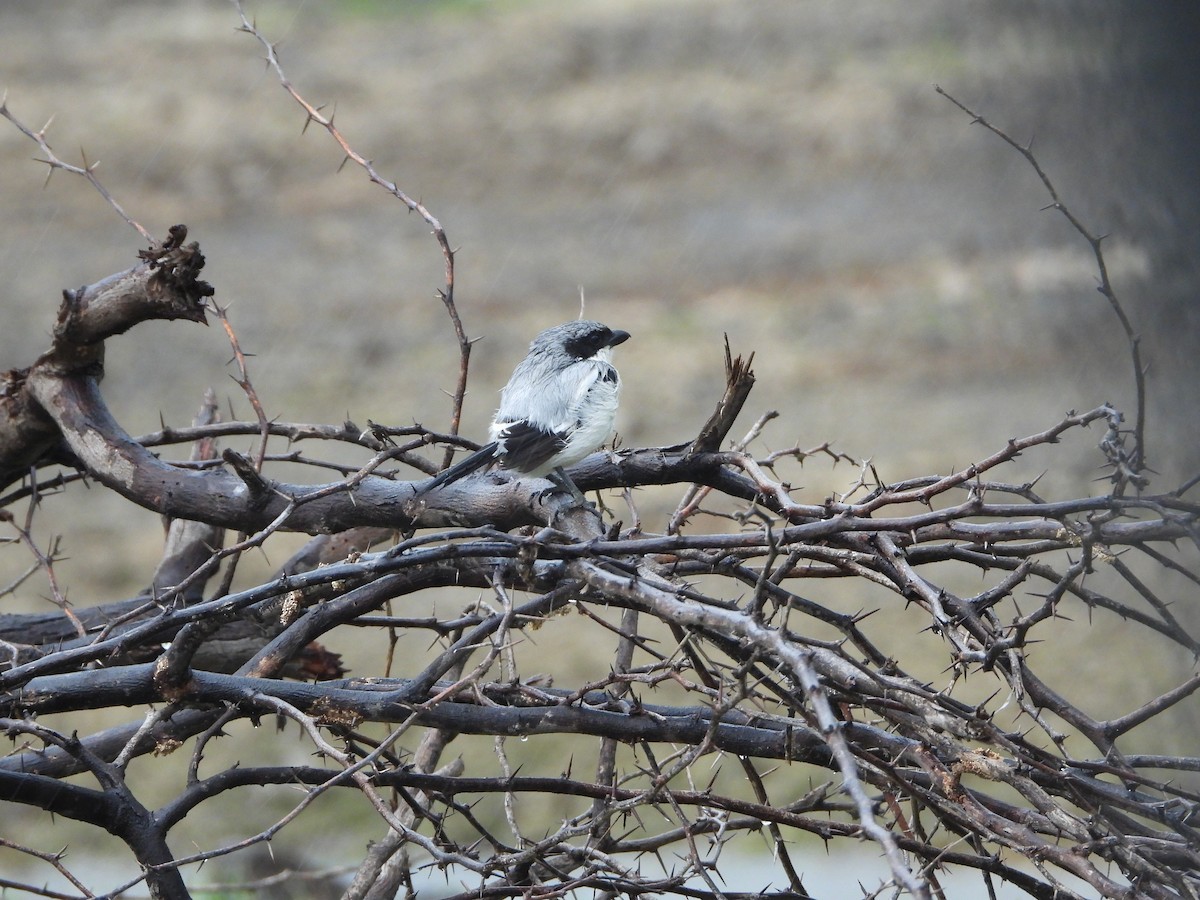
591	342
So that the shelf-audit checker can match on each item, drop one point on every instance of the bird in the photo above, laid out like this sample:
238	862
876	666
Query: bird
558	406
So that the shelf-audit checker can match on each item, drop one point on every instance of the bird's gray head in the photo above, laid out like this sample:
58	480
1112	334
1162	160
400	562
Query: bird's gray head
579	340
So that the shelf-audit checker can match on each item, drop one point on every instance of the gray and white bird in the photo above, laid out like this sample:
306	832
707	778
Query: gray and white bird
558	406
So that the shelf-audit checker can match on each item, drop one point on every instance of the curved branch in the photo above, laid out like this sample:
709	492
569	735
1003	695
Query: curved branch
1137	460
165	285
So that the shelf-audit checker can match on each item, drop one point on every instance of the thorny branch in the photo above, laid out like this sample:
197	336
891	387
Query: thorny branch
1132	463
756	678
87	170
446	294
846	705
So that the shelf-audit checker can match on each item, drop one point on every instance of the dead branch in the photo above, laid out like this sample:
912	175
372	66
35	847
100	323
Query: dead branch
1137	459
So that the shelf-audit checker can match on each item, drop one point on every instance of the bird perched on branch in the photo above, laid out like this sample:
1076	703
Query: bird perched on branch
558	406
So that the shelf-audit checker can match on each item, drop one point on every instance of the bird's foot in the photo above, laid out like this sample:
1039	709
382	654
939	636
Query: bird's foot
563	481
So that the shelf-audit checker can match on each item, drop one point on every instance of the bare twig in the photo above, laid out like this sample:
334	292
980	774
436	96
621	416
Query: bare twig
1138	457
87	170
446	293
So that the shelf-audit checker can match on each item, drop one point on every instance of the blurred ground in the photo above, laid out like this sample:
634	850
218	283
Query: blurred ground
780	172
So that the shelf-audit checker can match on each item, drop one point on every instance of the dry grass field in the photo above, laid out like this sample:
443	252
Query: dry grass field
780	172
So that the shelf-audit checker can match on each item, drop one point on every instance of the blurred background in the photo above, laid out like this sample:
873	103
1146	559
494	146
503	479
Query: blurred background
781	172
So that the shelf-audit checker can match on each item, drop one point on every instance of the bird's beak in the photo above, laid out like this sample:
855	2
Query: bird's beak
618	337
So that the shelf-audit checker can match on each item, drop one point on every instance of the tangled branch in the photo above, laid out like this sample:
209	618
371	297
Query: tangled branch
755	662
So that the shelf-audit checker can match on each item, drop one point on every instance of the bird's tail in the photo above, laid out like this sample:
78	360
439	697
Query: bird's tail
461	469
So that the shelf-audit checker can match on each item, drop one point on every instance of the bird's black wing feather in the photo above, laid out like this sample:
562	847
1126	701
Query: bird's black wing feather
527	447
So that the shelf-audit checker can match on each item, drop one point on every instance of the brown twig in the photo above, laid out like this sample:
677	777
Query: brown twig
446	293
87	170
1138	458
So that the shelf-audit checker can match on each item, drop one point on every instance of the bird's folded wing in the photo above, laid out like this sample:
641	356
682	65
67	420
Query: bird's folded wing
527	447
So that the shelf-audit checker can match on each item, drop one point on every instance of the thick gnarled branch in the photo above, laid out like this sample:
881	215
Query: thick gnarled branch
165	285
